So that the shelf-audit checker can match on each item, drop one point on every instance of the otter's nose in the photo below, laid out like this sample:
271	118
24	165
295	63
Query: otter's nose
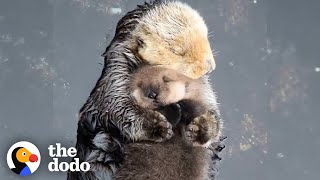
211	65
210	70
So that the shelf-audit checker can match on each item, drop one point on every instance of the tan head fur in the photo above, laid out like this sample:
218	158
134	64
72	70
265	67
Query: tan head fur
173	35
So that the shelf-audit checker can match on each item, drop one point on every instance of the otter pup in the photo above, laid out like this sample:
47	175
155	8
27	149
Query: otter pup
181	157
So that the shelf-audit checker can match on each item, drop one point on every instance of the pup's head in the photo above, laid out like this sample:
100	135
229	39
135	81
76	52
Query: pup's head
173	35
155	87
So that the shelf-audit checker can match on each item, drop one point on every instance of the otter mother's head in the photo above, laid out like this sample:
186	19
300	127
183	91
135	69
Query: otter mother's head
170	34
175	36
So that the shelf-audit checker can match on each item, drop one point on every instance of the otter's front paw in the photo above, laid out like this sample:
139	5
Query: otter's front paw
203	130
157	128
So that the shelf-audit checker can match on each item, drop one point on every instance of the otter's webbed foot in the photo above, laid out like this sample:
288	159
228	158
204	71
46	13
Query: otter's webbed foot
217	147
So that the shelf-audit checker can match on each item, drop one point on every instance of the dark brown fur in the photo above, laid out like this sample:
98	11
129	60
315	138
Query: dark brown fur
170	160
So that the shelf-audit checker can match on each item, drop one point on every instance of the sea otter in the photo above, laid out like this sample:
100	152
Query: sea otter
164	33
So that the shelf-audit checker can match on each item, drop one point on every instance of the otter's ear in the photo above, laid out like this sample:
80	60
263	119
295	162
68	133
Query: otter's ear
167	79
140	43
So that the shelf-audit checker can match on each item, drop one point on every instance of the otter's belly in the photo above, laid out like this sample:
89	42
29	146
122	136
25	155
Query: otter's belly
170	160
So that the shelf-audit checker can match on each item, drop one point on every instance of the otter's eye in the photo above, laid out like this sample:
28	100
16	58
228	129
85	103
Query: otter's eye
151	94
166	79
24	154
140	42
178	51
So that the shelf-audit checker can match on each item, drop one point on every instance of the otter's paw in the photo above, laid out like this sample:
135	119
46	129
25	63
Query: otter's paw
157	128
203	130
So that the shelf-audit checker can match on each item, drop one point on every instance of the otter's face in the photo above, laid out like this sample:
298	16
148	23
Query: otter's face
175	37
158	92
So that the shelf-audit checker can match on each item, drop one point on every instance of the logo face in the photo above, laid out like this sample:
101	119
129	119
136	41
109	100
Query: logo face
23	158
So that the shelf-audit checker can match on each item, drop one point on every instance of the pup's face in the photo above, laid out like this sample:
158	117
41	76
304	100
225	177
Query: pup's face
157	91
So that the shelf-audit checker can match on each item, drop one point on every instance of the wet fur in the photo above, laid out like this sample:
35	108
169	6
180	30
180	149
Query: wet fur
110	119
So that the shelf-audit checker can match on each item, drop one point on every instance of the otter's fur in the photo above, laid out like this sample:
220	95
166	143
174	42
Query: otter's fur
170	160
169	34
176	158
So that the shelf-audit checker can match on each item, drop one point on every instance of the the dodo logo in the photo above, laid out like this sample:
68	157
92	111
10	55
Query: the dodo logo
23	158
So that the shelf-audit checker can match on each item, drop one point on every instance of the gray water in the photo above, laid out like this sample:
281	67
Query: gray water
267	78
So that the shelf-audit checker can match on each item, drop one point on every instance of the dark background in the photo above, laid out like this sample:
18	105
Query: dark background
267	78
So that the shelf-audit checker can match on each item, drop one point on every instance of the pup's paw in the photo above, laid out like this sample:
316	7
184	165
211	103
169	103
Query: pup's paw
156	127
203	130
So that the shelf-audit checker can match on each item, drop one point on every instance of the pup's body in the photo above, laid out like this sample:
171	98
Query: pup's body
177	158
